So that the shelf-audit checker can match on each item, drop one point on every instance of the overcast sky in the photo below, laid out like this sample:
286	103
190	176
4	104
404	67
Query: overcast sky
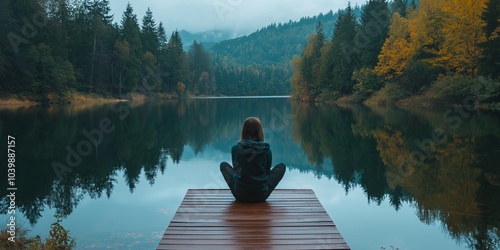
239	16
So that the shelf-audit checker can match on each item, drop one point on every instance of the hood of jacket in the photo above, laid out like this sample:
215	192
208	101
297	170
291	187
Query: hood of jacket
253	147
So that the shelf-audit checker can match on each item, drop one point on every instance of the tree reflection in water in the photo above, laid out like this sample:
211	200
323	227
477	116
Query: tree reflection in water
456	183
378	149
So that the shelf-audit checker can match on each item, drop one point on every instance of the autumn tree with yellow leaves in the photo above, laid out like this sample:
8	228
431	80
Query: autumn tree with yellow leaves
463	32
444	33
426	43
397	49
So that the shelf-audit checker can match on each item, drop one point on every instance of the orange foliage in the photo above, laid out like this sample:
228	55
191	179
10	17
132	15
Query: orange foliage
397	49
450	31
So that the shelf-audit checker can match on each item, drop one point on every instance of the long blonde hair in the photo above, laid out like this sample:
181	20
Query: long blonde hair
252	130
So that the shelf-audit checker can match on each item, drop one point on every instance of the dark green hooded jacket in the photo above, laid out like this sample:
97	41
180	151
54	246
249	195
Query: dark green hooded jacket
252	164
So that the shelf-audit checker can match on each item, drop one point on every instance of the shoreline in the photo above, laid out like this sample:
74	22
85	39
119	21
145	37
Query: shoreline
17	102
11	101
412	102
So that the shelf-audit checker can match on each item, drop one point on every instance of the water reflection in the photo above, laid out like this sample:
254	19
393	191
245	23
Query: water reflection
451	177
57	168
449	173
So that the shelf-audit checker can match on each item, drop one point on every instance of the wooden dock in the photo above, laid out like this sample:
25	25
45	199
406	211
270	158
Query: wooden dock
290	219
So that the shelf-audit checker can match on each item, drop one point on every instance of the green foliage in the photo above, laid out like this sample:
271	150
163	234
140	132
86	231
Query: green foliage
426	41
59	238
344	53
176	63
49	74
311	62
457	88
490	60
202	73
368	82
416	76
252	80
375	20
276	43
3	64
388	95
272	48
149	33
327	66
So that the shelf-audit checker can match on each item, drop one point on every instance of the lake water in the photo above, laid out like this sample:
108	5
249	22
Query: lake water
387	177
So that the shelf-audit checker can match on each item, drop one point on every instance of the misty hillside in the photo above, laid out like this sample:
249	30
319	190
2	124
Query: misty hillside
275	44
207	38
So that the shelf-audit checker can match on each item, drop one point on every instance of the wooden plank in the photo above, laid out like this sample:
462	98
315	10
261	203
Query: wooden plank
250	246
212	219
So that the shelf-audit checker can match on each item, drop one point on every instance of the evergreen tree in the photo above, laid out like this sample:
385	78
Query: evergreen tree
176	65
375	20
400	6
101	9
344	52
130	33
162	52
149	33
162	37
130	30
201	69
311	62
5	23
320	39
58	26
102	48
78	42
14	44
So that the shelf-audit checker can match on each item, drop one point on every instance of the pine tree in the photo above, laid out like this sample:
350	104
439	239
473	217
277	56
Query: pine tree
14	45
344	52
200	65
320	39
149	33
162	52
162	36
102	44
101	9
490	60
311	62
176	64
400	7
375	19
130	33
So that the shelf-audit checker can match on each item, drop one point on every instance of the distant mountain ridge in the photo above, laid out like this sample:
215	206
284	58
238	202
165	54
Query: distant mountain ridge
207	38
259	63
275	44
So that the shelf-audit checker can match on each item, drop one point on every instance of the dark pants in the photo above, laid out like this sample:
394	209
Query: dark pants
274	177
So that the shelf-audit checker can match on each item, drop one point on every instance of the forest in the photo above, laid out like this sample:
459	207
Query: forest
53	50
435	50
382	52
268	50
448	186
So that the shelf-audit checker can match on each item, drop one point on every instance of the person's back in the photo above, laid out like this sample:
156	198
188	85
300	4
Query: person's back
252	179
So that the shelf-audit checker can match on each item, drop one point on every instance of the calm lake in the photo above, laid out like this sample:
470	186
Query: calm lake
414	179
